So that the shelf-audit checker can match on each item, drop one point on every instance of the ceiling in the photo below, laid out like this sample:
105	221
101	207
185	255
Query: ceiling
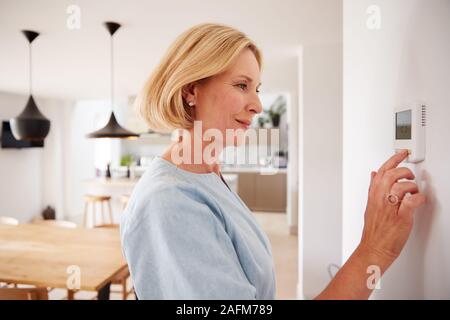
74	64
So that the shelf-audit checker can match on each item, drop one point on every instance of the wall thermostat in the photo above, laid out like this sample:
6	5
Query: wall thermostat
409	128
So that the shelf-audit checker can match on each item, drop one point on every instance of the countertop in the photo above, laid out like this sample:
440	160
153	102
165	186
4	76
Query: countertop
128	182
227	169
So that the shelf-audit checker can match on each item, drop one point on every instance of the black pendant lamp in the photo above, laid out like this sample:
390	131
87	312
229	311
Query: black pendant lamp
112	129
30	124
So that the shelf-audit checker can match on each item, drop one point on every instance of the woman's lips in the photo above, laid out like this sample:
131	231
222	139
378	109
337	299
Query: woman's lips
244	123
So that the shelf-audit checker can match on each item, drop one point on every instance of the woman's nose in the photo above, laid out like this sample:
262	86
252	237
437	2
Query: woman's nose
255	106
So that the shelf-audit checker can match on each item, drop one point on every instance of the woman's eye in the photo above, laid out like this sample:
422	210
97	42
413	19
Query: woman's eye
244	87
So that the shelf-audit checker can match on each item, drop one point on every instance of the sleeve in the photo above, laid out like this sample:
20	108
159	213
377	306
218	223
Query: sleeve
177	248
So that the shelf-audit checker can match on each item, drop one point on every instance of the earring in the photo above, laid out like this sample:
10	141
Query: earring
191	104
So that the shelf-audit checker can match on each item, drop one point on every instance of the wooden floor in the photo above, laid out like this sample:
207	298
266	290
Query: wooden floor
285	252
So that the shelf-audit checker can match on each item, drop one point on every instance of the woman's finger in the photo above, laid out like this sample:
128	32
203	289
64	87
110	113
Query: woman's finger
409	204
400	189
393	175
372	178
393	161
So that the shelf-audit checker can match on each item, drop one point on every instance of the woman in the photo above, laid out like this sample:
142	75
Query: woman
185	234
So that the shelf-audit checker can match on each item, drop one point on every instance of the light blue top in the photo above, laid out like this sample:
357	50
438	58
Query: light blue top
187	236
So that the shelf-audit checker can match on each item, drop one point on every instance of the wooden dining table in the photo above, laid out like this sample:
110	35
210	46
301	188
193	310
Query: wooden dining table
48	256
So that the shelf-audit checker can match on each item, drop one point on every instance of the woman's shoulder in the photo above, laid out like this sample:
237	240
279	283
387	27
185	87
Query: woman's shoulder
159	184
162	193
161	181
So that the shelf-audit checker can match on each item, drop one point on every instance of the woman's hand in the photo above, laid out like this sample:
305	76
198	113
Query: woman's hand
387	224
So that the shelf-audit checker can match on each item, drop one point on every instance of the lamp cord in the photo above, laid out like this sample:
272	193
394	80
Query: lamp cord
30	68
112	75
330	272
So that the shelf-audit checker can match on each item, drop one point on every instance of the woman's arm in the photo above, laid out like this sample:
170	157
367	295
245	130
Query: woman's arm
387	227
351	282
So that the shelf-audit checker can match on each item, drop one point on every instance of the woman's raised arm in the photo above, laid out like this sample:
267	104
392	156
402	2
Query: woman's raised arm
388	222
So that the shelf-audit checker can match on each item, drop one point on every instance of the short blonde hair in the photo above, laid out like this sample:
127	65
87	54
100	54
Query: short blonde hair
200	52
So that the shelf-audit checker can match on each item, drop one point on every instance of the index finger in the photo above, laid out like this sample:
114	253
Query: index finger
393	161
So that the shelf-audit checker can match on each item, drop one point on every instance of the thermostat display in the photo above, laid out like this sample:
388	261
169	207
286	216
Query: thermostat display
410	123
403	125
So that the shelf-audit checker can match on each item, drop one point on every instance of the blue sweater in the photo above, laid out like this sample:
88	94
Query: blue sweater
187	236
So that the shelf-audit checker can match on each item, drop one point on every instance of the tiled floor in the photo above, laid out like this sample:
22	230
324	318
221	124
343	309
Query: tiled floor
284	248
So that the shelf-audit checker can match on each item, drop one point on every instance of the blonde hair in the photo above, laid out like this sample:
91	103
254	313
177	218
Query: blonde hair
200	52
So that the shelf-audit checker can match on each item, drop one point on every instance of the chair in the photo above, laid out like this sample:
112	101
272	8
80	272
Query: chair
57	223
23	294
9	221
122	276
91	201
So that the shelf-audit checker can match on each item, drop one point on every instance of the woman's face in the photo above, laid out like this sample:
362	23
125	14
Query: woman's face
229	100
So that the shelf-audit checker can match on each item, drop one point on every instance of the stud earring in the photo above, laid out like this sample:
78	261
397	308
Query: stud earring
191	104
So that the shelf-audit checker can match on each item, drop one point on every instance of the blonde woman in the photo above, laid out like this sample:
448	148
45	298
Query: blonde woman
185	234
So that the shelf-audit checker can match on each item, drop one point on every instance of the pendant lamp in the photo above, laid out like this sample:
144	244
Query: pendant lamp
112	129
30	124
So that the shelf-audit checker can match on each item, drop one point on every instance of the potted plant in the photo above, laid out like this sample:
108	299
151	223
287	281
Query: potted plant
126	160
276	110
262	119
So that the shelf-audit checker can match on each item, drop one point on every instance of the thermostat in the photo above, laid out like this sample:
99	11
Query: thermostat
409	128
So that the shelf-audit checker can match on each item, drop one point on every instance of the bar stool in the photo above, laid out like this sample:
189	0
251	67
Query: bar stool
91	201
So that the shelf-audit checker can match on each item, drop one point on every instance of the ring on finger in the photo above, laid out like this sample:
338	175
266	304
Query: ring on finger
393	199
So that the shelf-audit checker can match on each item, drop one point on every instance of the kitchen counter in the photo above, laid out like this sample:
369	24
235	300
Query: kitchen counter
120	186
111	182
128	182
255	169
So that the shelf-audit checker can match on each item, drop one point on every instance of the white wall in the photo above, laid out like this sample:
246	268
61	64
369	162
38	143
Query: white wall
320	194
406	60
319	155
31	179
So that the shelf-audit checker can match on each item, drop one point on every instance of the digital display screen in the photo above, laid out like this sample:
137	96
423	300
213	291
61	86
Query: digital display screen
403	125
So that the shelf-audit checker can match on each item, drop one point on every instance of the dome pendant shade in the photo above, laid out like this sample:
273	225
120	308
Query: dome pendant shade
112	27
30	124
30	35
113	130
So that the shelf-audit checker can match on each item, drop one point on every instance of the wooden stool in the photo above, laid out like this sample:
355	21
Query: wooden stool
92	200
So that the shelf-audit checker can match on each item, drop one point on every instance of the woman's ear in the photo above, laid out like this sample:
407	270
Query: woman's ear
189	93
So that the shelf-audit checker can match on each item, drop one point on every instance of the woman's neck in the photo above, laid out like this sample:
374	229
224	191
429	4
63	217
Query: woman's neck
193	154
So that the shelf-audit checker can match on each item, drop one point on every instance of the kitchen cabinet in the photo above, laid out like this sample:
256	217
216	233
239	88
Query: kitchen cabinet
263	192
